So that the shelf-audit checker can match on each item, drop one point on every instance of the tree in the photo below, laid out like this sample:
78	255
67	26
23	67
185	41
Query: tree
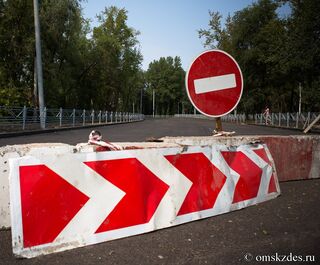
63	33
102	71
166	78
64	44
17	52
303	43
248	36
275	54
116	61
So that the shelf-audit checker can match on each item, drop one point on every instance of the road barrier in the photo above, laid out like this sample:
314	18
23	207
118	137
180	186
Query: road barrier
296	157
69	200
179	180
17	151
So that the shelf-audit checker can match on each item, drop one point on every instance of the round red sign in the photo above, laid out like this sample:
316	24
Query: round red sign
214	83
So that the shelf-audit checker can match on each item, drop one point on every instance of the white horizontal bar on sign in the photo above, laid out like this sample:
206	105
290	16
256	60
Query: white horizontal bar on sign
215	83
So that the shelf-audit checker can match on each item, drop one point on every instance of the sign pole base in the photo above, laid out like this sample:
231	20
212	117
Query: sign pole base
218	125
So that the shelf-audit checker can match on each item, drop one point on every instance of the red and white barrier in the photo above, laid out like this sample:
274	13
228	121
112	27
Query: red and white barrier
296	157
60	202
15	151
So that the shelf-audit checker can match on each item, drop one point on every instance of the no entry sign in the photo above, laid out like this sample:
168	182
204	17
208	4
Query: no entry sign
214	83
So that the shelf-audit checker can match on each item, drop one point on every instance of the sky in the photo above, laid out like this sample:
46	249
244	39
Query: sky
167	27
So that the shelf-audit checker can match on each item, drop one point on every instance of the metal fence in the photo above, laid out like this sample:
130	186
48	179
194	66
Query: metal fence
237	118
24	118
196	116
17	118
288	120
158	116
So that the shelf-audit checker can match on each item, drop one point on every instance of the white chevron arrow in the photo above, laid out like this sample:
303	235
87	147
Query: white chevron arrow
179	186
97	188
266	170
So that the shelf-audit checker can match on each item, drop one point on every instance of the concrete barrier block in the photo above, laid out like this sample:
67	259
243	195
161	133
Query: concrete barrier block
296	157
15	151
60	201
4	185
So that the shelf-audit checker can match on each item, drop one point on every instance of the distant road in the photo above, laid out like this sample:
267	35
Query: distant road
140	131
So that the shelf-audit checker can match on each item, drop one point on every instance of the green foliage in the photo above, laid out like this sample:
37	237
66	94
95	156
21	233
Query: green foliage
117	61
17	51
166	78
101	68
63	38
102	71
274	53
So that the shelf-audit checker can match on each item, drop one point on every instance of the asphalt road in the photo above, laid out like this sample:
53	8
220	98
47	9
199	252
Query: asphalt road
288	225
140	131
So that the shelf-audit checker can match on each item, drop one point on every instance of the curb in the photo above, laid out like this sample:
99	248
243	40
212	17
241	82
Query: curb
50	130
284	128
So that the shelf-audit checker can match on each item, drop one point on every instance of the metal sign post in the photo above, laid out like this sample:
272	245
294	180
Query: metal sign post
218	125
